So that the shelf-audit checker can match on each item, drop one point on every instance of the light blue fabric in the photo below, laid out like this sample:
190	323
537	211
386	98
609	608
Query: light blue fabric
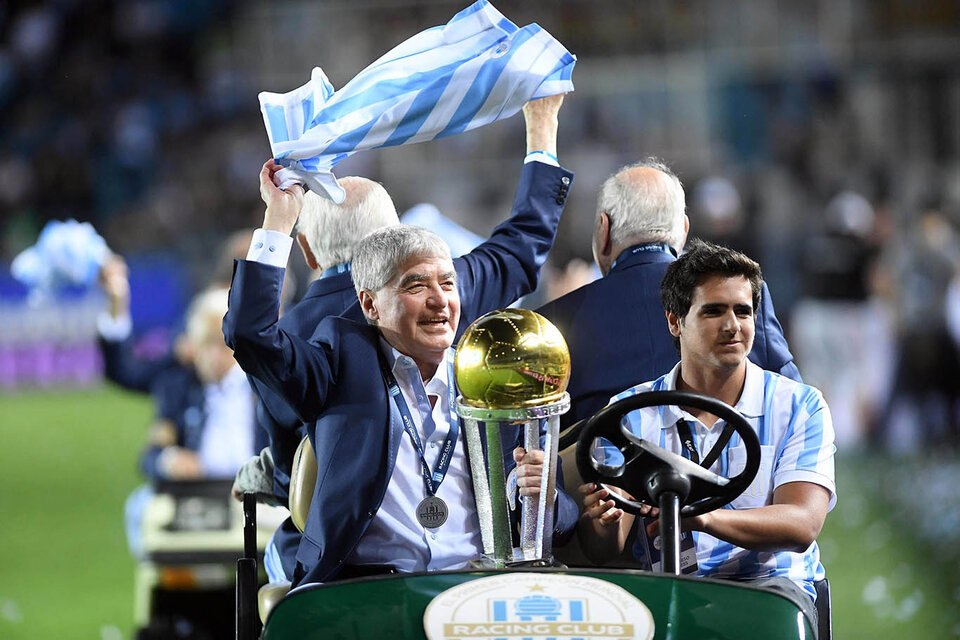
796	436
477	69
133	510
460	240
272	563
66	253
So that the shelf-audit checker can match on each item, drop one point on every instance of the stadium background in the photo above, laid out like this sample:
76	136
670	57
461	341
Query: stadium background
141	117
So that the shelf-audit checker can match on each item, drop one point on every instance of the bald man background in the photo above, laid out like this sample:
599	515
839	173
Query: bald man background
615	326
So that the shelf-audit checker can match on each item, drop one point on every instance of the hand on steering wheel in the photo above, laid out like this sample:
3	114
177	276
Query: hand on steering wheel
648	470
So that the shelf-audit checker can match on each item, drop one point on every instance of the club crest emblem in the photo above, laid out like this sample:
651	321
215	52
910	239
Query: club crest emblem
537	606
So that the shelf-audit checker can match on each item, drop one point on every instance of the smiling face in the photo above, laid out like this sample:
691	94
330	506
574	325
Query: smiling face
717	332
418	309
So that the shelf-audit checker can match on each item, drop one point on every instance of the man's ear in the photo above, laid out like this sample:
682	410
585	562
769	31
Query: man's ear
673	323
307	252
368	303
603	234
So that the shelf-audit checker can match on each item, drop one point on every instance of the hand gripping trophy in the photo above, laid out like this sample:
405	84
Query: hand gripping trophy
512	368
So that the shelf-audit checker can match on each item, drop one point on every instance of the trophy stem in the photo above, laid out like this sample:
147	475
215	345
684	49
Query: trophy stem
502	544
531	534
487	457
536	525
481	490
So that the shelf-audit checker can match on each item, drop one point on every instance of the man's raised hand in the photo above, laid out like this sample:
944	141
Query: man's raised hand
283	207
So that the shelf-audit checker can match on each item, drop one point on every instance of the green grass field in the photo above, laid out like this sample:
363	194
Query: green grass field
69	461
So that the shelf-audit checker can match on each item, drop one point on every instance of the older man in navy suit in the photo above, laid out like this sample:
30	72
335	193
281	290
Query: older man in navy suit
377	395
614	326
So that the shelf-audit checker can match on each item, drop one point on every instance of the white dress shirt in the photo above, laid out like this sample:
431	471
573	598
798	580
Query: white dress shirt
228	433
395	536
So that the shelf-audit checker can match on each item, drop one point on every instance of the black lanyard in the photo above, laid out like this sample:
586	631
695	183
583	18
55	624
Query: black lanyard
431	480
686	439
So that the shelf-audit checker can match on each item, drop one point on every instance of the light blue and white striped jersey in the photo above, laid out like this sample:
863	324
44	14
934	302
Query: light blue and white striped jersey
796	436
477	69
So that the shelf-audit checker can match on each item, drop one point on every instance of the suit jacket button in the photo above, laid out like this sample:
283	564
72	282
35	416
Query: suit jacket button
565	180
560	200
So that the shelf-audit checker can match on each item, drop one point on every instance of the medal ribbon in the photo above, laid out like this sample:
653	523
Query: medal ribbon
431	480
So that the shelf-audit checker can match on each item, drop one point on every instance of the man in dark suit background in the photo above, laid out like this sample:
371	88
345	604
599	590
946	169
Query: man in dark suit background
362	516
614	326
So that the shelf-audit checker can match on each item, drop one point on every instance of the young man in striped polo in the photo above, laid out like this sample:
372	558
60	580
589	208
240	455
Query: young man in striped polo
768	534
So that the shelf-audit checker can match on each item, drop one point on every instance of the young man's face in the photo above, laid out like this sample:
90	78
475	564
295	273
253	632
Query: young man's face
717	332
418	310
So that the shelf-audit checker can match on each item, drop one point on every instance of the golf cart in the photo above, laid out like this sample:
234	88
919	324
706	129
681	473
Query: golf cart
192	533
530	600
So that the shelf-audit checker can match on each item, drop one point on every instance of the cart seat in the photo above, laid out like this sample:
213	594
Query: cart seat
303	479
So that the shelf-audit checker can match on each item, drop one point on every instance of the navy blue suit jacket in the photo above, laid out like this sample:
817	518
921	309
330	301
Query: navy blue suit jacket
328	296
617	333
333	381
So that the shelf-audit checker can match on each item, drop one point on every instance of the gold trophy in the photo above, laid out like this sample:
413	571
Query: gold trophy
512	368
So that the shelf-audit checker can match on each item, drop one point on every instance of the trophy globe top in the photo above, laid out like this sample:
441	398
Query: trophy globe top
512	359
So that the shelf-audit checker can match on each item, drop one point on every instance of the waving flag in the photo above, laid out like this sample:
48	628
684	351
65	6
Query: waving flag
66	253
477	69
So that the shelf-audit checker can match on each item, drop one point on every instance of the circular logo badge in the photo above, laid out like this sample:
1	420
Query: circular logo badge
537	605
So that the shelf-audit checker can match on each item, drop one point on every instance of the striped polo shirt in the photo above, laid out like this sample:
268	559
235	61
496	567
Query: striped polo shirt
796	437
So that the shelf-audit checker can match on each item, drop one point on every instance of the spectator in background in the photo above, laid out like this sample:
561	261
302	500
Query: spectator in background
204	425
205	422
921	408
716	212
841	333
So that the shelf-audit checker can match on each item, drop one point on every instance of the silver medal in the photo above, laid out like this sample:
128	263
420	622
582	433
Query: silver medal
432	512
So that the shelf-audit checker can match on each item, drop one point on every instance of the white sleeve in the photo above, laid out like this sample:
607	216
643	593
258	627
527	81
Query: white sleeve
270	247
114	329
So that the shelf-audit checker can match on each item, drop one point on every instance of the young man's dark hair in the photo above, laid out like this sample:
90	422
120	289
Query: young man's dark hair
702	260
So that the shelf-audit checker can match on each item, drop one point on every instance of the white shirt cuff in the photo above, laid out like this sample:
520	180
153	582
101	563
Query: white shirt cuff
542	156
270	247
114	329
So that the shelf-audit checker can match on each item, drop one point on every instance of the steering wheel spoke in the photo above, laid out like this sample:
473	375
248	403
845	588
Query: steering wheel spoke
648	470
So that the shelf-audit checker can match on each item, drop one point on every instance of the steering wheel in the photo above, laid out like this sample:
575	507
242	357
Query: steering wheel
649	470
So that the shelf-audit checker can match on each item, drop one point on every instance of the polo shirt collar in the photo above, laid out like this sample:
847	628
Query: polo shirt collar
750	404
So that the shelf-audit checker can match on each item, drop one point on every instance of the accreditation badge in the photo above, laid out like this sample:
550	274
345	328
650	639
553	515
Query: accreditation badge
647	549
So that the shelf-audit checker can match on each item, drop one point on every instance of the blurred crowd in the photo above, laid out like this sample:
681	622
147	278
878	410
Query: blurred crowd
823	139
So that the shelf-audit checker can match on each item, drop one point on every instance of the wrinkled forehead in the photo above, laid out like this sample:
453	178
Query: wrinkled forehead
424	265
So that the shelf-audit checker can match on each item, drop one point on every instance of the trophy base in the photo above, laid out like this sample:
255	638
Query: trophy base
484	563
538	563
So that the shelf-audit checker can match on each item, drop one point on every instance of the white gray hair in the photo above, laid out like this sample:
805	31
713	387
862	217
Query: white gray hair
643	209
378	256
206	308
333	230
